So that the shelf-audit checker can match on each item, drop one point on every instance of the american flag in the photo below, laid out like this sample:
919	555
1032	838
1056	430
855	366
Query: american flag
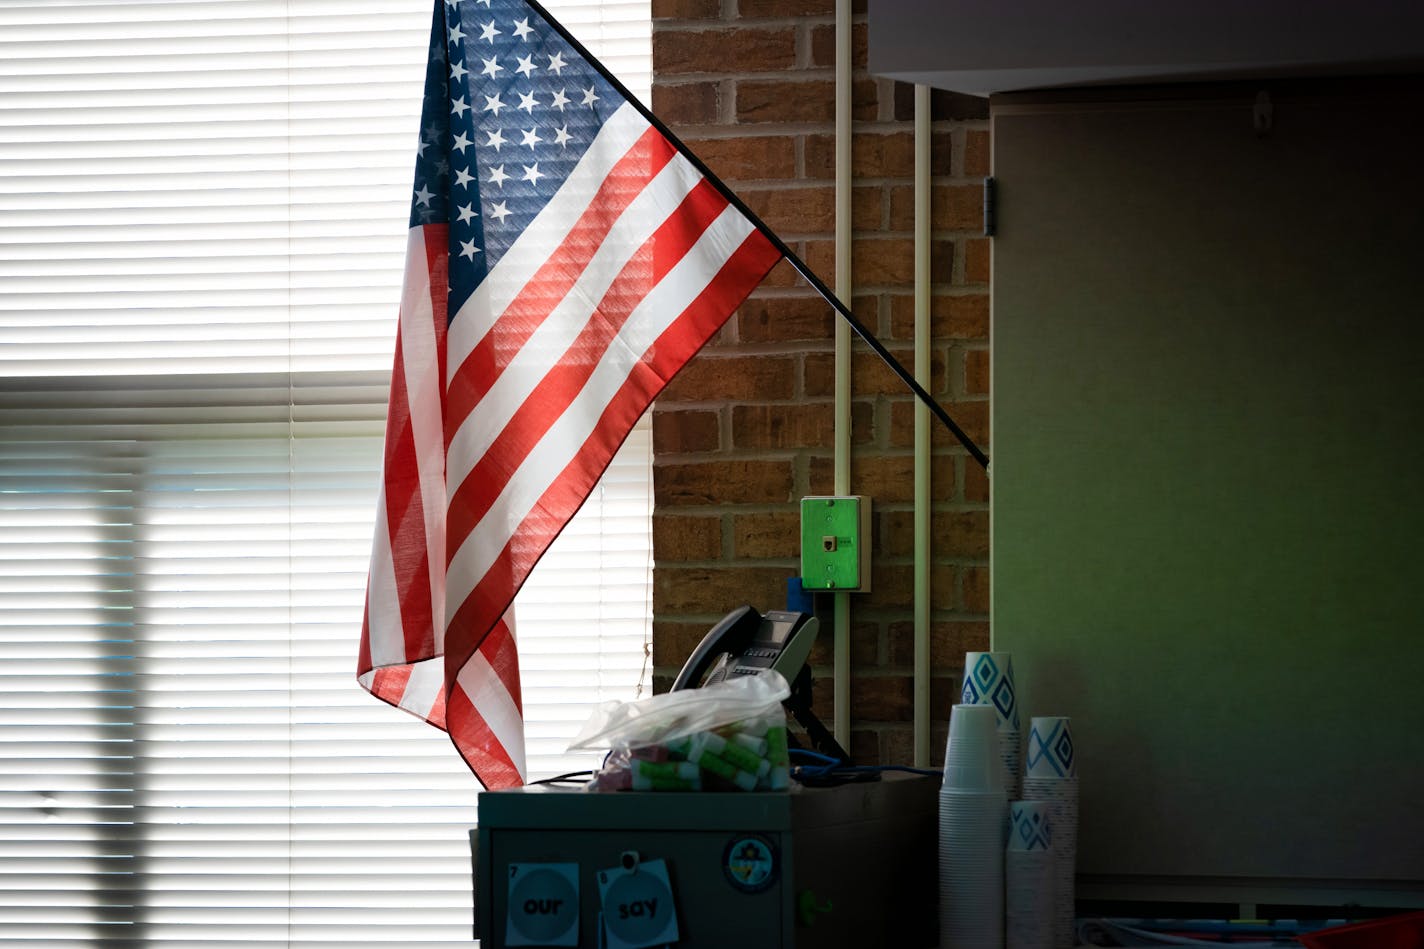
564	261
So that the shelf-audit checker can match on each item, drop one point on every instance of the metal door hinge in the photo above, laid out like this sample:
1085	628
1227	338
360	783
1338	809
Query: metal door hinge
989	208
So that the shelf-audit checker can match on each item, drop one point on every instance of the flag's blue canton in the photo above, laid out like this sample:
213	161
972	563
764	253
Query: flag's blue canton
509	110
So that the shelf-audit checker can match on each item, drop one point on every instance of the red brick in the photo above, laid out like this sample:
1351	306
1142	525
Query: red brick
785	8
686	9
976	260
873	155
896	536
941	154
820	257
902	315
820	475
747	157
735	481
883	261
864	645
944	586
763	100
784	425
943	478
884	156
900	212
865	746
941	261
870	374
897	744
709	378
976	482
961	534
770	534
952	316
884	478
971	417
673	642
867	208
686	103
786	319
820	157
823	45
865	100
884	698
679	432
790	211
957	207
977	153
945	693
867	309
976	372
892	585
734	52
686	537
963	316
975	589
943	465
948	641
714	590
900	643
862	422
784	274
820	375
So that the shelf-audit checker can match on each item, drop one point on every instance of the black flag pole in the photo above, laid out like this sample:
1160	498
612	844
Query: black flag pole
806	273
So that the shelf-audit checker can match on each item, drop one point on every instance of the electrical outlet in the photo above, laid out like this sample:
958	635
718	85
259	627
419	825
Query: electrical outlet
835	544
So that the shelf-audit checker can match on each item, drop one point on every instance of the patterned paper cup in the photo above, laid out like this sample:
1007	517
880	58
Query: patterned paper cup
989	680
1031	825
1050	748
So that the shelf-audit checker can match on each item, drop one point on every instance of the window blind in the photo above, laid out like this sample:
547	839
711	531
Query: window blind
202	217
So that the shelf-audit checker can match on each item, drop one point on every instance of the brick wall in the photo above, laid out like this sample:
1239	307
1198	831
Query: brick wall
746	430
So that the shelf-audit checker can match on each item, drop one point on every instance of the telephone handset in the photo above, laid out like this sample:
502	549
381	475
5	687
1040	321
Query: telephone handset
745	642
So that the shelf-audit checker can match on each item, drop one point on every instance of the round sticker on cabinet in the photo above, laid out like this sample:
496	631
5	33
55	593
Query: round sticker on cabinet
543	905
749	863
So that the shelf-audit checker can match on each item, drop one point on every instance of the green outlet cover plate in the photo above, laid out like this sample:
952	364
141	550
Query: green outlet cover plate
835	544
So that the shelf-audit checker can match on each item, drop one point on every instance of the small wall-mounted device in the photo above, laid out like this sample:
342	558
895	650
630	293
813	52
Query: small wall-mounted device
835	544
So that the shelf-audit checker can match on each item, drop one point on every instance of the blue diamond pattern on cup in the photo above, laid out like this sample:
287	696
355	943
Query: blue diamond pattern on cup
985	671
1004	701
1055	748
1063	750
1032	827
969	695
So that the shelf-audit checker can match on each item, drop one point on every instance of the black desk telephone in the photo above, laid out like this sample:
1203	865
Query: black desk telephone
745	642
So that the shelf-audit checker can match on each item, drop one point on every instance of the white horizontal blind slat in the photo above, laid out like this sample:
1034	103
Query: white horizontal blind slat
200	260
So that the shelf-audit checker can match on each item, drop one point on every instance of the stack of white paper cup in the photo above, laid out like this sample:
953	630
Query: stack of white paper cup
972	823
989	680
1028	877
1051	776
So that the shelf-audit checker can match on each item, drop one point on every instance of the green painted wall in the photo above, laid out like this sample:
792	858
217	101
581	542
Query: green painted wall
1208	525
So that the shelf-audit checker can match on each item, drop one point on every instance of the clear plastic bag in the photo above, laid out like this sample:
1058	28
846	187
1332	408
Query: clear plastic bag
728	736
